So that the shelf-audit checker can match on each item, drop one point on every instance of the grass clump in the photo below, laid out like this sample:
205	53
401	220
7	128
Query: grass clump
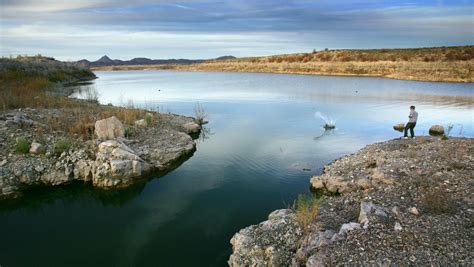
22	145
438	201
62	145
306	208
200	114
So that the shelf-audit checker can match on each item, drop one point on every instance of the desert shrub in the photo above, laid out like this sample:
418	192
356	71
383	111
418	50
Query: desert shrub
200	113
82	126
62	145
438	201
306	208
149	118
130	132
447	130
22	145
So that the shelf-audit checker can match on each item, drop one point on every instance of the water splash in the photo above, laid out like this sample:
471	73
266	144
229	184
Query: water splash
329	122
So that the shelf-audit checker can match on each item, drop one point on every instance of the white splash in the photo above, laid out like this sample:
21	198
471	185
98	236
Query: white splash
329	122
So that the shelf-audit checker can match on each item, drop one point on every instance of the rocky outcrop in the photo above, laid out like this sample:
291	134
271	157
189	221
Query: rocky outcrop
191	128
110	163
110	128
270	243
436	130
412	210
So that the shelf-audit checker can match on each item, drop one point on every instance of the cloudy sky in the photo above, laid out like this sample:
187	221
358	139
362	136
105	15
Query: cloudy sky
76	29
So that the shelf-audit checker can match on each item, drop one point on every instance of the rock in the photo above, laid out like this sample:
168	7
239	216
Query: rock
367	209
397	227
270	243
414	211
399	127
436	130
3	162
110	128
141	123
191	128
121	168
36	148
332	184
348	227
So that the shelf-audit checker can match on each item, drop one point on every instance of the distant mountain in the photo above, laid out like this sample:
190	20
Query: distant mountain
225	58
106	61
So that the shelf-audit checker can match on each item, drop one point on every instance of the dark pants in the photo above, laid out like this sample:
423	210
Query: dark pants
411	126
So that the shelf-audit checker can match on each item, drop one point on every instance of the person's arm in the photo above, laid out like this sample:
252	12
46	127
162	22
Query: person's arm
410	115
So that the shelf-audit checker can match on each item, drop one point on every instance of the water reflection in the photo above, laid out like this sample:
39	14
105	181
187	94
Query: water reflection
257	153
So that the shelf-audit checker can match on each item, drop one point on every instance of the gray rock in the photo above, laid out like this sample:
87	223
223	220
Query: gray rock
191	128
141	123
36	148
110	128
270	243
399	127
367	209
436	130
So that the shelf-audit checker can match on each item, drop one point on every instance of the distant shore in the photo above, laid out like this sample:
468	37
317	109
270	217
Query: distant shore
443	64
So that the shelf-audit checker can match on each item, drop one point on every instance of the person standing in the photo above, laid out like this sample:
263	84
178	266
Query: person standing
412	118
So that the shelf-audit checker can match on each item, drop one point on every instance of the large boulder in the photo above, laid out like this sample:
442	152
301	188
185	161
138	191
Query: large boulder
117	165
399	127
270	243
110	128
436	130
191	128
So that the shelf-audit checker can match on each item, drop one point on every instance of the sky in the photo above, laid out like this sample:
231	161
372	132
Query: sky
201	29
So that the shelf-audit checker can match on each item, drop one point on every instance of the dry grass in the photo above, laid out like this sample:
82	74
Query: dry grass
449	64
306	208
438	201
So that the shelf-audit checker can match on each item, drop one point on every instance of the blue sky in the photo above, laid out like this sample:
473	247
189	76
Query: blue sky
75	29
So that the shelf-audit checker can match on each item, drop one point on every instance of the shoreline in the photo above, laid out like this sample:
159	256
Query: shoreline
393	202
185	68
56	139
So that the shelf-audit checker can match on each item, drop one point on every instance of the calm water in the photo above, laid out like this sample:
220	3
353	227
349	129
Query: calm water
262	133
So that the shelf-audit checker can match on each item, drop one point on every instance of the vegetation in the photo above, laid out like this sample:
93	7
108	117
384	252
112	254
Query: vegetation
453	64
62	145
22	145
200	113
306	208
35	82
447	131
438	201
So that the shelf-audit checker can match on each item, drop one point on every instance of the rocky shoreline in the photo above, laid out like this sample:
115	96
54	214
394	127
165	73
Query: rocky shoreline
399	202
112	158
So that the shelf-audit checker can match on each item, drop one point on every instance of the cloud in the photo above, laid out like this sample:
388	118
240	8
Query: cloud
209	28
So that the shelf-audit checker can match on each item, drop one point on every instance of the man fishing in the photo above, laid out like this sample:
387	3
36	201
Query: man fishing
412	118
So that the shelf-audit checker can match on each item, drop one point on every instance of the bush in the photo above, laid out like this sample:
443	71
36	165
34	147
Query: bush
62	145
200	113
438	201
130	132
306	208
22	145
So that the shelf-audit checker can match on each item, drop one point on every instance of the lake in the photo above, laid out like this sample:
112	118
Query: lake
263	142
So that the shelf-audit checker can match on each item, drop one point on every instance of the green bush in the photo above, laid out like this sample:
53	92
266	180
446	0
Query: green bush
130	132
22	145
62	145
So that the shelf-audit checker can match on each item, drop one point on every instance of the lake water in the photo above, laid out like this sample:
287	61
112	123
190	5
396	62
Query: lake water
262	144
